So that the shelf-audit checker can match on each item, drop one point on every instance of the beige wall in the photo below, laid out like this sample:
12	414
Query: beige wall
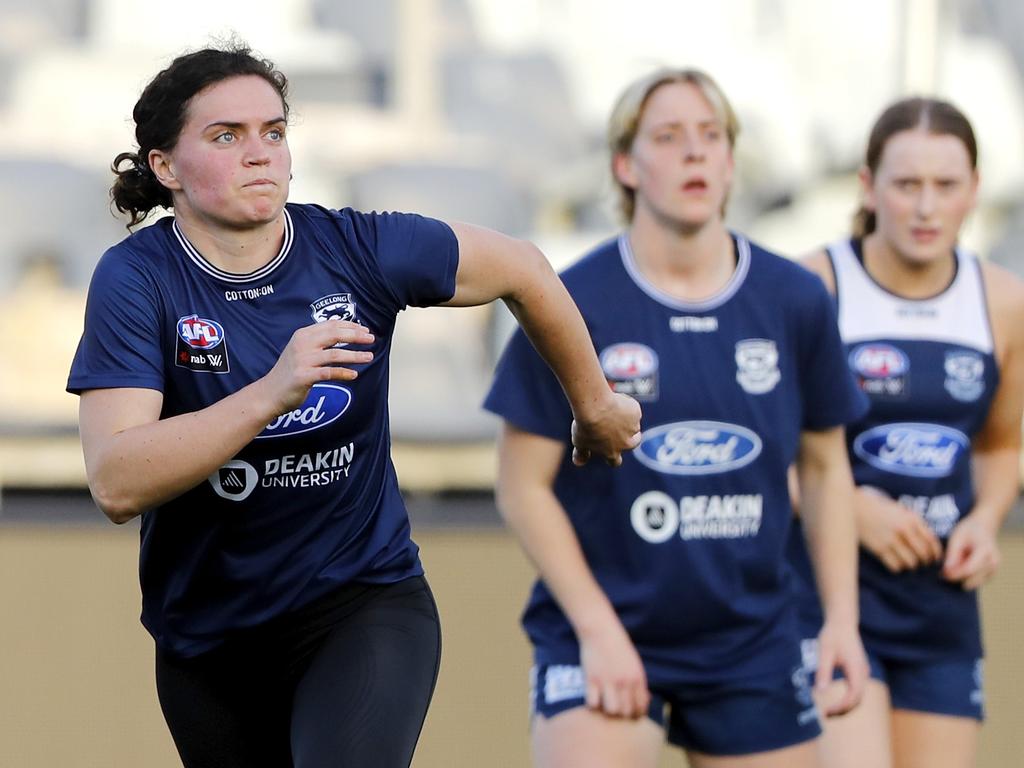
76	688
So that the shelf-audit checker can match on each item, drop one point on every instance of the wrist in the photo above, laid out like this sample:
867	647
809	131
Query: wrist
591	408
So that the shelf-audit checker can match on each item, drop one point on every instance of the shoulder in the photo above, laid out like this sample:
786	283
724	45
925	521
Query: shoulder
820	264
1004	292
600	261
785	276
144	253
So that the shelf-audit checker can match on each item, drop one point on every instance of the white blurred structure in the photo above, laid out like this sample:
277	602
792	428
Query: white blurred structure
492	112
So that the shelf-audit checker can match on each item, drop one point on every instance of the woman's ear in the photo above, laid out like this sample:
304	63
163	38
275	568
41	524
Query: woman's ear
163	169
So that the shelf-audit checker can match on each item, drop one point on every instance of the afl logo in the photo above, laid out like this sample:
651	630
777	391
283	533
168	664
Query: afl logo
200	333
879	361
324	404
628	361
697	448
917	450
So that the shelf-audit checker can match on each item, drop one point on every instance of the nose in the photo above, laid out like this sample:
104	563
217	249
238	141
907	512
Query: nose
926	201
693	150
256	152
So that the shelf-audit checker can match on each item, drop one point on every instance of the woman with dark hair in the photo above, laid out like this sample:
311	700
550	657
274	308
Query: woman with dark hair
935	338
664	605
233	375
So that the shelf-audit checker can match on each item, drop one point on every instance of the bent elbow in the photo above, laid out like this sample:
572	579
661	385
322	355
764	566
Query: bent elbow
118	508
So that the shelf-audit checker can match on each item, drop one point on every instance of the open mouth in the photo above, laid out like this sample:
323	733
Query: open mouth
695	185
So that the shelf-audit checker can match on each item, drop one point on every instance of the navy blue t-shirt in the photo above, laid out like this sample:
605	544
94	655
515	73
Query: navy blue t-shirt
687	537
312	502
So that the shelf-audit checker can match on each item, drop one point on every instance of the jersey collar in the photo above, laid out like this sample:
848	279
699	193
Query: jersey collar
234	277
712	302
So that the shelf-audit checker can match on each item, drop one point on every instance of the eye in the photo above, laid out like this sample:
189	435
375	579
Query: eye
664	137
276	134
227	137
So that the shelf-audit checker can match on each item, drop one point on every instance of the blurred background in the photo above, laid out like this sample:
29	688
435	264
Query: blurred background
478	110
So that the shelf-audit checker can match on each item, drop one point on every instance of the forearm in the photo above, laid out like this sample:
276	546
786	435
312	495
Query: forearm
142	466
539	522
550	319
827	515
997	482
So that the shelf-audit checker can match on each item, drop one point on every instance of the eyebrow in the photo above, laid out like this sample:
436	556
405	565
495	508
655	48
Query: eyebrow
679	123
236	124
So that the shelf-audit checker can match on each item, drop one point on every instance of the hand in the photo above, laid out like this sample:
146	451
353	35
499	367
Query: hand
896	535
611	430
839	645
972	554
311	356
615	678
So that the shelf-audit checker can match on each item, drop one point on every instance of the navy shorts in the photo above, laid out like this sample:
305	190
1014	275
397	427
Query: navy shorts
737	717
954	687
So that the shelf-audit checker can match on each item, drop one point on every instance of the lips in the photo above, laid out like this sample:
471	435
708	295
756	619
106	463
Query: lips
695	185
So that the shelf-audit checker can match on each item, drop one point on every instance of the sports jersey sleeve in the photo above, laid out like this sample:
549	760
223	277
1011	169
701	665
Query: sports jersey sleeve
526	393
120	344
418	257
829	393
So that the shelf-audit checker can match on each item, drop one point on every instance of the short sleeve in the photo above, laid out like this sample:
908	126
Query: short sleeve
120	344
829	392
418	256
527	394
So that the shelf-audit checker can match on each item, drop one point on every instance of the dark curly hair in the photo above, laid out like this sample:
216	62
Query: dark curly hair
160	114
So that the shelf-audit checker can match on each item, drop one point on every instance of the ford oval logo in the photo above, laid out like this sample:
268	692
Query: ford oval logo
879	361
324	404
697	447
919	450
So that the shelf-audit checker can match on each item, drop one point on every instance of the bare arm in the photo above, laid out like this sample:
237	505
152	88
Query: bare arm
972	555
528	463
826	490
135	460
492	266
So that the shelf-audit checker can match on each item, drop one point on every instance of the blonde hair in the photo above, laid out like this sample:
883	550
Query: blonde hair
625	118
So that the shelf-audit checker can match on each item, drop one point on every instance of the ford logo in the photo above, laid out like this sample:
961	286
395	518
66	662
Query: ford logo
324	404
919	450
697	447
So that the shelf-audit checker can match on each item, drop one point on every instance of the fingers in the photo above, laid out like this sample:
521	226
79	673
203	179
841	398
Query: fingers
922	541
619	699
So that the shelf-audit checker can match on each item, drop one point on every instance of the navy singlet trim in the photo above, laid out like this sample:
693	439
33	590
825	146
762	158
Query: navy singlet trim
234	277
712	302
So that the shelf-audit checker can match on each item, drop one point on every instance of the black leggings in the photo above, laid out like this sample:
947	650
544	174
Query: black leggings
342	683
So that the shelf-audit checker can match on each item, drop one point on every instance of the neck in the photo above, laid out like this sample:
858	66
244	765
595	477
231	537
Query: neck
906	277
233	249
689	264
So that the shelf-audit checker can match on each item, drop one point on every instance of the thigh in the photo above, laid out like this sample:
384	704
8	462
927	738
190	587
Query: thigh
861	737
582	738
363	696
797	756
223	712
926	740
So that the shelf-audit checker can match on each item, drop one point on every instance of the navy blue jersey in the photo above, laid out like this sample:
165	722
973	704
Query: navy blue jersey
312	502
687	537
928	367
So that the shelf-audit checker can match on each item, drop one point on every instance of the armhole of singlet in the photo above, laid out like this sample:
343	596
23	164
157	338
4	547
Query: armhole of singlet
835	276
986	308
